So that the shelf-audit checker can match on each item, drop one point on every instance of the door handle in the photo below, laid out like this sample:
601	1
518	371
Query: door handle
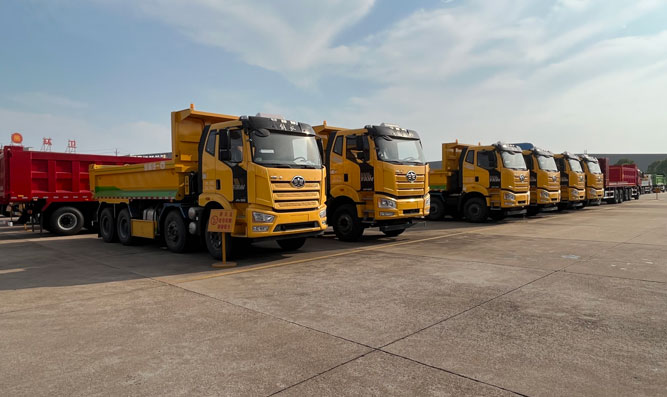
217	184
476	179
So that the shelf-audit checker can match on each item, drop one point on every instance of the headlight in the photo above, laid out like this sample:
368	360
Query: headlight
427	201
382	213
261	217
386	203
594	192
544	194
260	229
323	213
574	192
509	196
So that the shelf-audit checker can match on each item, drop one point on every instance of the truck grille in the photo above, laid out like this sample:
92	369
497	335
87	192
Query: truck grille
287	197
406	188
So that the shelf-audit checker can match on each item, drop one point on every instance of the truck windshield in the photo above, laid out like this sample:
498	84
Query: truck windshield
513	160
593	167
285	150
575	165
547	163
399	151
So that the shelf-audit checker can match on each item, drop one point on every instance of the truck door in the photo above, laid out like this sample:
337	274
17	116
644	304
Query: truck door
486	164
210	182
468	168
231	177
335	166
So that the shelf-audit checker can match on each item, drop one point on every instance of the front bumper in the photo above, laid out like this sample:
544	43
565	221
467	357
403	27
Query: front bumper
283	224
594	193
406	208
512	200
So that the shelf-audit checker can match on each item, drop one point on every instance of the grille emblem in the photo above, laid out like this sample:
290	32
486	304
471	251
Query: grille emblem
411	176
522	177
298	182
553	178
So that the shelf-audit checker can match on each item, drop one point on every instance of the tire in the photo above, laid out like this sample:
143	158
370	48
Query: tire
532	211
66	221
175	233
108	226
213	242
475	210
292	244
437	211
346	223
621	196
393	233
124	227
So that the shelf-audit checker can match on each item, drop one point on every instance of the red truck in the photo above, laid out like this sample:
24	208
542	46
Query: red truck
621	182
51	188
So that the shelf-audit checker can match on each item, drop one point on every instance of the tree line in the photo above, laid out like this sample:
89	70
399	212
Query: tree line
656	167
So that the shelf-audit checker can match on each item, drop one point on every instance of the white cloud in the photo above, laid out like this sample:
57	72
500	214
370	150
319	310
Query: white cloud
46	100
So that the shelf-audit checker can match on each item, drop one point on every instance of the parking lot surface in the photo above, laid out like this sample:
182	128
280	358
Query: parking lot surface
570	304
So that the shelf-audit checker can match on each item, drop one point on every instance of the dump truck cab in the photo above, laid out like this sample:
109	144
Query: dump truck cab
267	169
594	180
572	180
544	178
377	177
478	181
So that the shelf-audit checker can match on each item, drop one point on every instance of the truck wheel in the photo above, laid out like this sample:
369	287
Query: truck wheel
124	227
108	226
66	221
292	244
621	195
213	243
346	223
475	210
437	209
393	233
175	233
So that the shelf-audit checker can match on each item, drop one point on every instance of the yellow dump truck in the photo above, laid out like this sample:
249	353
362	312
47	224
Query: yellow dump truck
478	182
572	181
544	179
268	169
594	180
377	177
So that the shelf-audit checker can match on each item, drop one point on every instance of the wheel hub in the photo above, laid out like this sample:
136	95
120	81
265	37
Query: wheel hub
67	221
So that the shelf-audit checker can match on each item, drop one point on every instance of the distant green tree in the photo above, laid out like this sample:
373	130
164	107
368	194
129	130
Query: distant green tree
657	167
625	161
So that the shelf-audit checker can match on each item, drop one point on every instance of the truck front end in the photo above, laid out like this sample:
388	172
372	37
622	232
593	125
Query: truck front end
512	191
594	180
285	181
573	180
544	180
400	194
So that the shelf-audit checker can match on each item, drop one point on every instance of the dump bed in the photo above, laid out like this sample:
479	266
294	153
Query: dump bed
625	175
170	179
27	175
445	178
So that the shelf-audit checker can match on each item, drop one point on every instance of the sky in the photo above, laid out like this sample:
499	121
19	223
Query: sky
576	75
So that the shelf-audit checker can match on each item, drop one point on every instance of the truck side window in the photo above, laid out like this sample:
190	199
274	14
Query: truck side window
483	160
210	143
470	157
338	146
236	146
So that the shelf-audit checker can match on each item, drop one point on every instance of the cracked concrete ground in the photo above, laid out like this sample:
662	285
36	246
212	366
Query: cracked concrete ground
571	303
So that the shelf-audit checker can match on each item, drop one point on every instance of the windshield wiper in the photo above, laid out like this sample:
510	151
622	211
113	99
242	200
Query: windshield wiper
276	165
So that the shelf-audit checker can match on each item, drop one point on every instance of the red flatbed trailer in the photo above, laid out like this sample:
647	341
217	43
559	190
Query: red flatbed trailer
51	187
621	182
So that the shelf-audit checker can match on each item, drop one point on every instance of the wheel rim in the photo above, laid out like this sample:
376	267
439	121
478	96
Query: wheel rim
344	223
67	221
172	232
474	210
106	225
122	229
215	240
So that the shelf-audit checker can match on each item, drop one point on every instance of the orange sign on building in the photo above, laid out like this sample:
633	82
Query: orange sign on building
17	138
